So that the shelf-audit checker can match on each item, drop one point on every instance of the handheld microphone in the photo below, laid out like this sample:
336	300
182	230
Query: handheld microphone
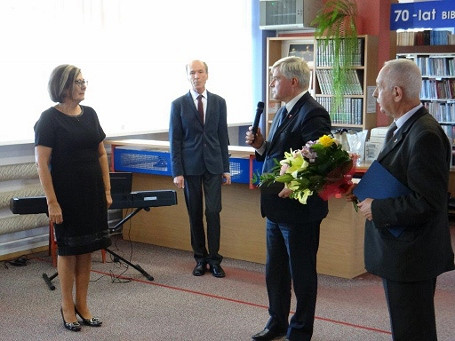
259	110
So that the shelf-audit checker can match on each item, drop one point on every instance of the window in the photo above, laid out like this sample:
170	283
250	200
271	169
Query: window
132	52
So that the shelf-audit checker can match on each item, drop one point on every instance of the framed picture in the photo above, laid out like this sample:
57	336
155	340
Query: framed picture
304	51
303	48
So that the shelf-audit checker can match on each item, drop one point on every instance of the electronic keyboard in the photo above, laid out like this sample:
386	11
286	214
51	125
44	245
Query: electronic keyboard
138	199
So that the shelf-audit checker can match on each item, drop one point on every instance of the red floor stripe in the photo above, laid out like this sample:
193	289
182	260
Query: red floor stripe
241	302
233	300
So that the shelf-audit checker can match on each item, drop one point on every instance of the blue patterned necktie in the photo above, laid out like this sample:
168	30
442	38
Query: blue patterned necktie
389	134
283	116
390	131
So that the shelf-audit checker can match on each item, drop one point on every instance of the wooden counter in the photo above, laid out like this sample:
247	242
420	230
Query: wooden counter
242	227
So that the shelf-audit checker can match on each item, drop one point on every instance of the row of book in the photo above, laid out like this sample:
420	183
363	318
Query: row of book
442	112
325	53
349	112
325	80
438	89
436	66
449	129
425	37
450	132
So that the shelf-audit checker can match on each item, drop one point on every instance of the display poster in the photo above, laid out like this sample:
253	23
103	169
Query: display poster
427	14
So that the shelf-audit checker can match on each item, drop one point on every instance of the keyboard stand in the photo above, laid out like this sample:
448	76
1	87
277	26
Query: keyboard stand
48	279
117	257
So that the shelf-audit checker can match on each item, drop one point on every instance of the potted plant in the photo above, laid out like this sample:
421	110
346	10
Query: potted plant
336	28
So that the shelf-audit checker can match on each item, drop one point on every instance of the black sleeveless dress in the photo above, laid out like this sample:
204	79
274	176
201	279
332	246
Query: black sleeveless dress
77	178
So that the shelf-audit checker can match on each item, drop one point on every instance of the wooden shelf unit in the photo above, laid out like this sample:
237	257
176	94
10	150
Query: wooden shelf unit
360	107
422	49
278	47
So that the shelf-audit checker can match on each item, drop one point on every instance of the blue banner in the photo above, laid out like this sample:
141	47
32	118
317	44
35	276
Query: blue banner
428	14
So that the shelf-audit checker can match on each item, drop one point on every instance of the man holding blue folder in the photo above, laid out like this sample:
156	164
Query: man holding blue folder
404	200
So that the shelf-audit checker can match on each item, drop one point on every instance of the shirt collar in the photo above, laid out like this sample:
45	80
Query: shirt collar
292	102
402	119
194	94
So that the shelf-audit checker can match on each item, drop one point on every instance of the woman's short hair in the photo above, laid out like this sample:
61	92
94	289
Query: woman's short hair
294	67
61	82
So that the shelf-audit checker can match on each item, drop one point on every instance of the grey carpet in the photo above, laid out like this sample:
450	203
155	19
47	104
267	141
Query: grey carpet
179	306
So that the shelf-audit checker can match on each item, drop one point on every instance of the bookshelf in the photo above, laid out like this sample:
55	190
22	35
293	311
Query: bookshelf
425	38
362	76
437	65
358	108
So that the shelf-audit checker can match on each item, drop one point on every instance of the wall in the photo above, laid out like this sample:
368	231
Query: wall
375	19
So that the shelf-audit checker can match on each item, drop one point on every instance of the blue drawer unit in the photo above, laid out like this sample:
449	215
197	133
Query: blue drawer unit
240	169
257	169
142	161
159	162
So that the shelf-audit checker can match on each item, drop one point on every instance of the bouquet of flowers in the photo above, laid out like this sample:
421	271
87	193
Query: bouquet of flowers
320	167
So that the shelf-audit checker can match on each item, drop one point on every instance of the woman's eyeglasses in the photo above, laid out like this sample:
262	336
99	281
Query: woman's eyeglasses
81	82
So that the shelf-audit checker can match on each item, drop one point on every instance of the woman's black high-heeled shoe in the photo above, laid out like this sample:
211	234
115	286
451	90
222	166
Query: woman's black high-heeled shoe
73	326
93	322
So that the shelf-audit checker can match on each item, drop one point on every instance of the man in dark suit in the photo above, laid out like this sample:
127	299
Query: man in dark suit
198	138
292	228
418	155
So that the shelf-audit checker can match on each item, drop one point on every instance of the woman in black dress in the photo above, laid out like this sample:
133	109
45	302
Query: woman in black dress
74	172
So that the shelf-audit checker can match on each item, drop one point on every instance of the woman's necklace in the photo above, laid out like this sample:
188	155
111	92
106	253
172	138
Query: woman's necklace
74	113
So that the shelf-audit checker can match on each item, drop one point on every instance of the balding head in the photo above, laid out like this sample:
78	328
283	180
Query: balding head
406	74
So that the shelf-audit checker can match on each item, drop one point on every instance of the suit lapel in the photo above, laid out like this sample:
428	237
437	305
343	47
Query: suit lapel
290	117
274	127
193	107
401	134
209	106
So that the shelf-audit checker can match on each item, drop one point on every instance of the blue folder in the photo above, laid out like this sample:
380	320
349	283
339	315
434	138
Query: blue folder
379	183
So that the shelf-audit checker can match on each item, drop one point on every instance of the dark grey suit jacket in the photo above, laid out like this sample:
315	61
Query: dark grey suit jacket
196	147
419	157
308	121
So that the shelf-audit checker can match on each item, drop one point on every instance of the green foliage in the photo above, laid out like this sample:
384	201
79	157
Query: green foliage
335	22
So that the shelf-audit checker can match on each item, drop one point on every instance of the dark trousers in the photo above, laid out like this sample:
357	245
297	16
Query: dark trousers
291	255
197	188
411	309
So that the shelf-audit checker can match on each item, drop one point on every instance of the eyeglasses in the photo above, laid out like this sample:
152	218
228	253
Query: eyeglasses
81	82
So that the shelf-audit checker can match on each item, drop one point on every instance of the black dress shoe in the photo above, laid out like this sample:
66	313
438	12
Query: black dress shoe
269	334
217	271
73	326
92	322
200	269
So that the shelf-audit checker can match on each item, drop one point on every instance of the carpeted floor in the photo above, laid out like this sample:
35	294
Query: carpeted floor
178	306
